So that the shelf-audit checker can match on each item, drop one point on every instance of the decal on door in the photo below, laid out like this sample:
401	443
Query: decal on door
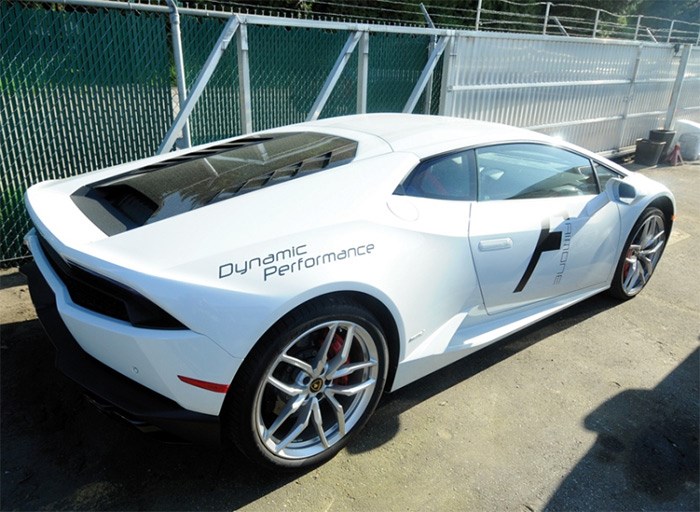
548	241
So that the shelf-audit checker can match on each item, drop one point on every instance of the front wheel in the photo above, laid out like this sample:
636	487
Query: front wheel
312	380
641	254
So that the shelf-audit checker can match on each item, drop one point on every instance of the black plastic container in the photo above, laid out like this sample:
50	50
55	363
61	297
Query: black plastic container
665	136
648	152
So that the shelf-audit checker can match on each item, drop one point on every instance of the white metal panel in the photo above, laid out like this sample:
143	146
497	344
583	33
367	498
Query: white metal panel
592	93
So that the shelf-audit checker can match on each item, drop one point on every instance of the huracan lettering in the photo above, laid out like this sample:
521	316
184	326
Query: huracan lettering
291	260
565	246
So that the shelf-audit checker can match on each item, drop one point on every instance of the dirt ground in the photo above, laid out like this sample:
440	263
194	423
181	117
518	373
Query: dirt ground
594	409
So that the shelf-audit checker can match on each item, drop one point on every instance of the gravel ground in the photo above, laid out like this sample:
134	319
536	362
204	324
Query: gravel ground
593	409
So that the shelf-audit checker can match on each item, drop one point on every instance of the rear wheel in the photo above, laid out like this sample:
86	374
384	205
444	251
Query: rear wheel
311	382
641	254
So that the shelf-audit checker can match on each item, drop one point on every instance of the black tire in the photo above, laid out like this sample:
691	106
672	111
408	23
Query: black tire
303	391
640	255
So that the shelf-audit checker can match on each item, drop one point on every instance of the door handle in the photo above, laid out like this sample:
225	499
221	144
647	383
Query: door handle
496	244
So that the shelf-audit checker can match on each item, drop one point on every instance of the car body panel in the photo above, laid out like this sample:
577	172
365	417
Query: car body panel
152	358
586	256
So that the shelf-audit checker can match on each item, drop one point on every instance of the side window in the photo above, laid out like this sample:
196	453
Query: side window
604	174
449	177
527	171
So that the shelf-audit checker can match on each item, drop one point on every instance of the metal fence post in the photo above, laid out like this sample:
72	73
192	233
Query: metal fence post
362	73
677	86
595	24
447	85
546	18
179	69
639	24
433	40
199	84
478	16
244	95
628	98
670	31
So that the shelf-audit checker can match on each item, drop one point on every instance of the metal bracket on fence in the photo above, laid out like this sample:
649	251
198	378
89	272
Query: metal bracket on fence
649	33
202	79
334	75
179	68
426	74
560	26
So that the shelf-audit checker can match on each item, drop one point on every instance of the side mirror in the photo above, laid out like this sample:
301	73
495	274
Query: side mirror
620	191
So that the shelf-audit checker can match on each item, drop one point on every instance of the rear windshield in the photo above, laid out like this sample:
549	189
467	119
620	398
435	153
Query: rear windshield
215	174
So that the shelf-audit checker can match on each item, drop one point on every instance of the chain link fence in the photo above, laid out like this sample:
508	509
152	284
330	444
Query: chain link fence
288	67
82	88
216	114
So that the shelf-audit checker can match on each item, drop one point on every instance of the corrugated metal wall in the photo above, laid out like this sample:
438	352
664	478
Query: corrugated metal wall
600	94
689	102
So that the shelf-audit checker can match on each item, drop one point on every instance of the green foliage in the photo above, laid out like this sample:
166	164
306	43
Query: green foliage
684	10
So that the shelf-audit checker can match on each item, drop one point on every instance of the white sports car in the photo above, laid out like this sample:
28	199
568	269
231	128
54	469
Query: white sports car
266	289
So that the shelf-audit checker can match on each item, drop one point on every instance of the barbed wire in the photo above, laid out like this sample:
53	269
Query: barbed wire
543	16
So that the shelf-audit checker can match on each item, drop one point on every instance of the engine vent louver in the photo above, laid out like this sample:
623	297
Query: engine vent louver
186	182
130	202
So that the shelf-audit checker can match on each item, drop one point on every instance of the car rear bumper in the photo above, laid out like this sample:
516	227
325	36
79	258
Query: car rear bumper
112	392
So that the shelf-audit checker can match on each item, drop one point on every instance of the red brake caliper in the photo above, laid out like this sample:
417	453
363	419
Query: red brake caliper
336	347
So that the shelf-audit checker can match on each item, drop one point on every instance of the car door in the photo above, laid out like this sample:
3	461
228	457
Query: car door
541	226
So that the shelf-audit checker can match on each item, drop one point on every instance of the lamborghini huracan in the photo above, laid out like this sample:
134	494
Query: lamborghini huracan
265	290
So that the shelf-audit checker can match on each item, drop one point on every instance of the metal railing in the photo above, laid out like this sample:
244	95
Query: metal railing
501	16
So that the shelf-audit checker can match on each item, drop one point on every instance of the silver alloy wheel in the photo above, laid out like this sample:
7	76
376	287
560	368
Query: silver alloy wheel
316	390
643	254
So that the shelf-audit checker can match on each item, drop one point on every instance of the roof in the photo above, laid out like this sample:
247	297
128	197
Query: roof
422	134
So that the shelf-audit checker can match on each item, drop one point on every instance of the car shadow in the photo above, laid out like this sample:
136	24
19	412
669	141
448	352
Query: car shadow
59	452
11	280
385	422
646	452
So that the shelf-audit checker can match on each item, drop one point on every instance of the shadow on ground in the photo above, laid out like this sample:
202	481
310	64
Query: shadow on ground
384	424
646	453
